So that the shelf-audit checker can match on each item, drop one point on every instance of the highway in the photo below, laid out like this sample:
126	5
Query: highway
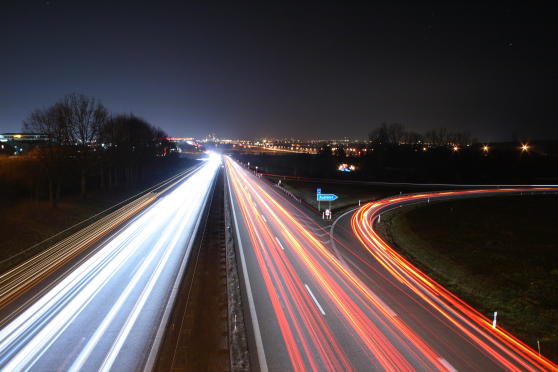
108	312
323	298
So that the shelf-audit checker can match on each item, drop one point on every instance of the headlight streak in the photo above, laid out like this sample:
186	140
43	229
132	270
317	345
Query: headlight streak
132	318
365	316
19	279
161	244
494	342
29	336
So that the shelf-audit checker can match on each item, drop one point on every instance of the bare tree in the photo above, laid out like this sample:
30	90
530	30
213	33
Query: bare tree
396	132
413	138
380	135
438	137
84	116
131	141
50	121
461	138
388	134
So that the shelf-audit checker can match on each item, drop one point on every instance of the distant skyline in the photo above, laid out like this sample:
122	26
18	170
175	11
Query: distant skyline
306	70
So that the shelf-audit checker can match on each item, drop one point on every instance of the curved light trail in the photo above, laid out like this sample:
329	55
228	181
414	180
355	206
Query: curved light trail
104	314
498	344
351	318
315	312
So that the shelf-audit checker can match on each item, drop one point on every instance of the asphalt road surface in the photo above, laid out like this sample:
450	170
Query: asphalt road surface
338	298
106	314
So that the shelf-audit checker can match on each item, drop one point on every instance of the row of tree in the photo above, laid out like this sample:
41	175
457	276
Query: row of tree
84	136
396	134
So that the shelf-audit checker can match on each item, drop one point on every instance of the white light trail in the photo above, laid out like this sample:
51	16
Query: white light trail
154	240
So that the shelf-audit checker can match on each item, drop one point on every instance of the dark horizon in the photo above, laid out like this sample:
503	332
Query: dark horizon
305	71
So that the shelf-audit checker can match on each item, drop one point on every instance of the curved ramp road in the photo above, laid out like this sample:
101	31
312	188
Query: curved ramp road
494	343
105	314
329	305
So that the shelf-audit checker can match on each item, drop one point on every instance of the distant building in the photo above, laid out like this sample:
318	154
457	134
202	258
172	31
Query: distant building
18	143
23	137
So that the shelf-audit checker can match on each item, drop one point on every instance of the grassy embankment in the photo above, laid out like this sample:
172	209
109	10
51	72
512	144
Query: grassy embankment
25	223
498	254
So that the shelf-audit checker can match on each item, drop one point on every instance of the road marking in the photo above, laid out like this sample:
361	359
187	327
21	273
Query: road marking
252	307
447	365
263	218
279	242
333	245
314	298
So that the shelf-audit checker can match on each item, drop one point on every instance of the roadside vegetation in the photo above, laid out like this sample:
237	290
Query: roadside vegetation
89	161
499	254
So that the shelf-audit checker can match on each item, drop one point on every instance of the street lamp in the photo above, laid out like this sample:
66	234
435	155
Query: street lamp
455	148
485	148
524	147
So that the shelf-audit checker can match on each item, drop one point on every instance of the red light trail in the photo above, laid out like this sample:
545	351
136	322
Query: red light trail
500	345
312	339
329	319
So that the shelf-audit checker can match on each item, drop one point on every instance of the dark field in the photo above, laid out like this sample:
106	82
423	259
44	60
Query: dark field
26	222
499	254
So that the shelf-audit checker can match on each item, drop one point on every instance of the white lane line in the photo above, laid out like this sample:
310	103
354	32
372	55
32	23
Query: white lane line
252	307
314	298
333	245
447	365
279	242
321	234
263	218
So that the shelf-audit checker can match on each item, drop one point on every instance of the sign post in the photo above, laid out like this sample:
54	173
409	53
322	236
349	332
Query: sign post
325	197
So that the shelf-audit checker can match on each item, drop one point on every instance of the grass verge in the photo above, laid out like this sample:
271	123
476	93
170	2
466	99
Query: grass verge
498	254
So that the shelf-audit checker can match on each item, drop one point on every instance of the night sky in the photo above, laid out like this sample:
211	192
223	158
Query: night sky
323	69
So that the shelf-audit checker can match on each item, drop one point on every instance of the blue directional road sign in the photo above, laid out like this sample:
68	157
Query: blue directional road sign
327	197
324	197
